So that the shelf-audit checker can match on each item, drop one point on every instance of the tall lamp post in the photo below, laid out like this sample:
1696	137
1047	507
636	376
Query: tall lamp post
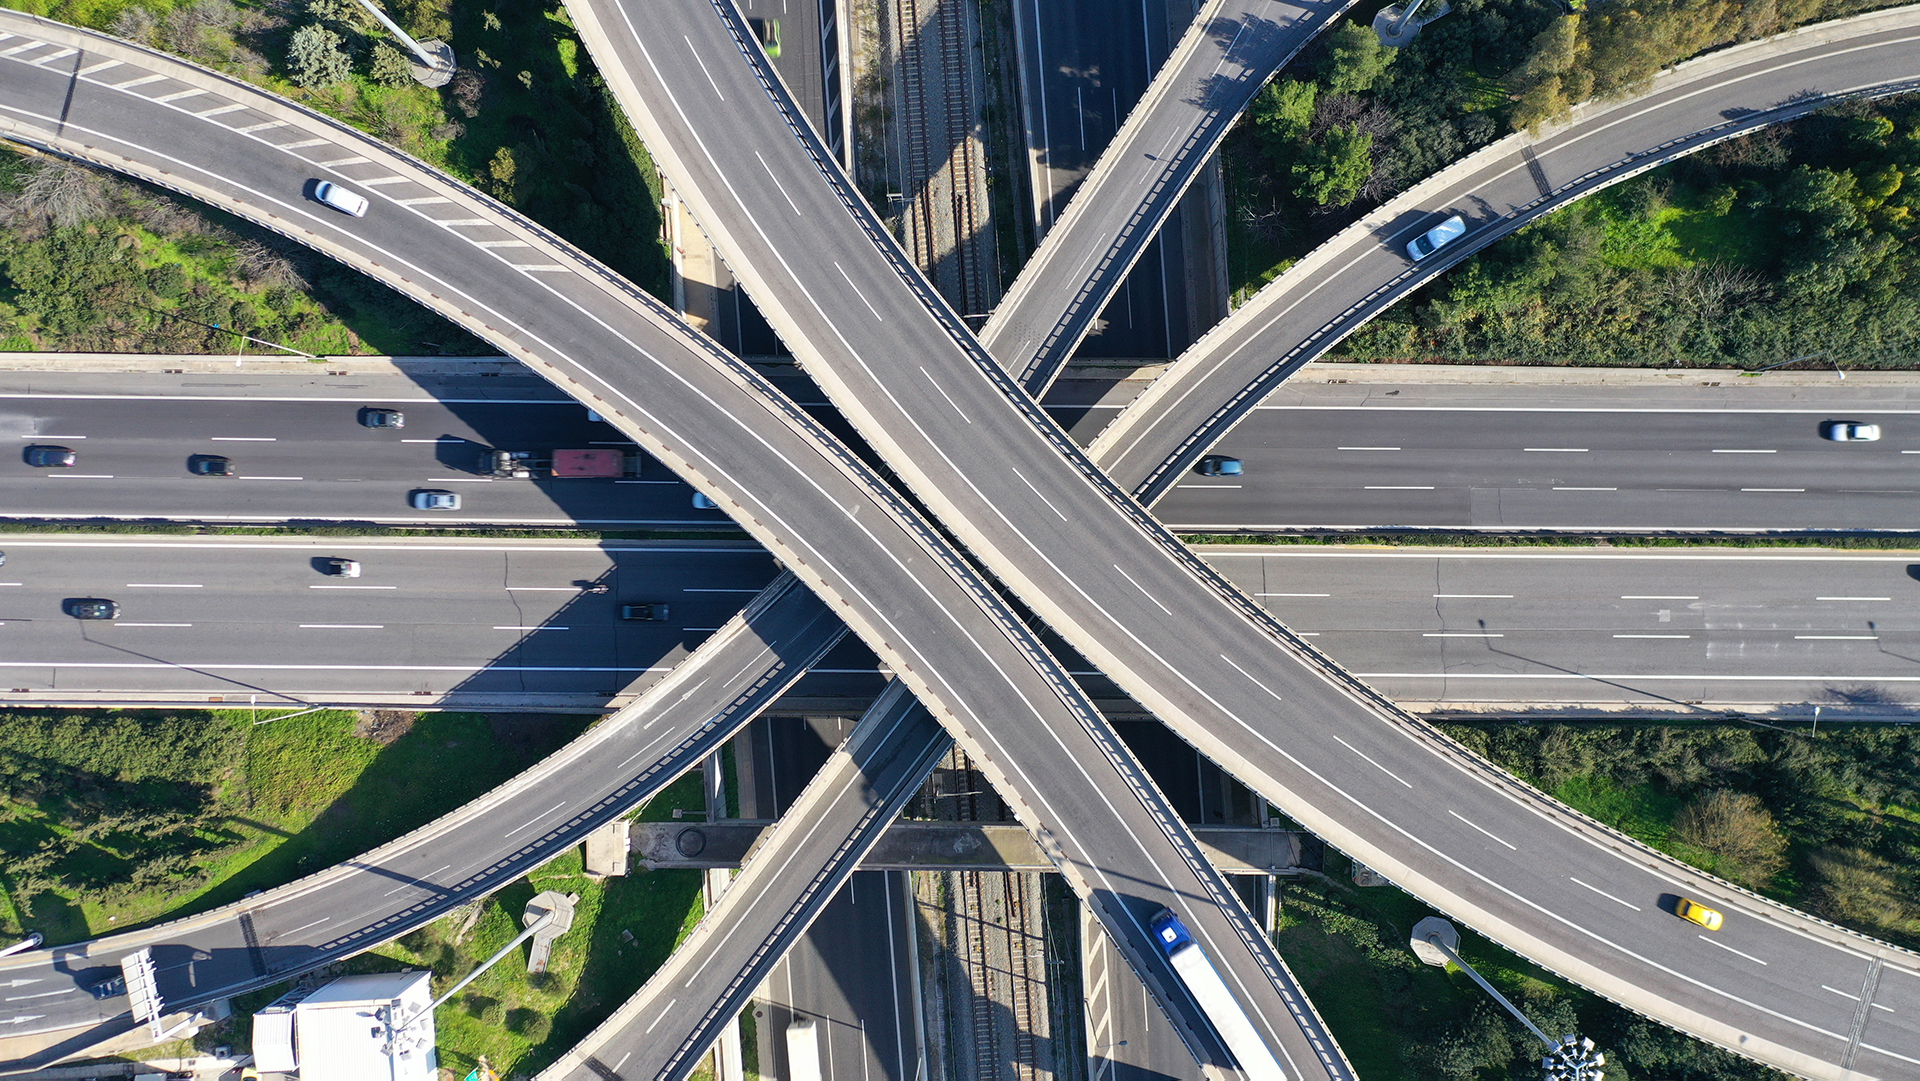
1569	1058
435	65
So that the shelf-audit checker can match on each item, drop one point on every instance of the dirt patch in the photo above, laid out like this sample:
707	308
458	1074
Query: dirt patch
384	726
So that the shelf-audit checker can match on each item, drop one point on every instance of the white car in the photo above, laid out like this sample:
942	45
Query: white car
343	568
435	499
1437	237
1850	431
342	199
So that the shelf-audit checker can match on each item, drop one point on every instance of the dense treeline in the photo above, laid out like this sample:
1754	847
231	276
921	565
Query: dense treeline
1796	241
1829	823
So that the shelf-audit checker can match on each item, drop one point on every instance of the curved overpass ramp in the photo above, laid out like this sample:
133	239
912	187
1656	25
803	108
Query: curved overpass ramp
1364	270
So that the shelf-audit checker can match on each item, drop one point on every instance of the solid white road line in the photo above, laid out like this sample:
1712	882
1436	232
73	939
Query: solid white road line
1744	452
1460	634
343	626
535	818
165	585
1658	597
1555	450
353	587
1564	488
243	439
1366	448
1475	596
1293	594
1773	489
1469	822
117	623
513	628
1853	598
1398	488
1730	949
1370	760
271	478
1836	637
1653	636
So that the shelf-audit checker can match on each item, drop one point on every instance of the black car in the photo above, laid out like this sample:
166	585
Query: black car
649	611
210	465
93	608
373	417
1219	465
111	988
46	456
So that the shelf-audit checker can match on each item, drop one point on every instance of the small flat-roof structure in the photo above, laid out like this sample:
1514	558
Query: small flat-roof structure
349	1030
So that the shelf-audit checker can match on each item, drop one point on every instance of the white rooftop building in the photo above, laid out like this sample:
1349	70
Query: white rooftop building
350	1030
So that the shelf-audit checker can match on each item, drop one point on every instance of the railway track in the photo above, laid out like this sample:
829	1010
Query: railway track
944	171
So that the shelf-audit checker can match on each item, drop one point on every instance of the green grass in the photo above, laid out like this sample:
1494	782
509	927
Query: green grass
1641	812
306	793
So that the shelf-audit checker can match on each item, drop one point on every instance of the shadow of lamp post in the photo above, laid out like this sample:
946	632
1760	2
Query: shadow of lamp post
1569	1058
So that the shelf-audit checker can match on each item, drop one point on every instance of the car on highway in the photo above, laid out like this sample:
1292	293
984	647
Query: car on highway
3	559
92	608
343	568
345	200
1850	431
701	502
768	31
210	465
1218	465
1695	912
1437	237
108	988
433	499
380	417
46	456
645	611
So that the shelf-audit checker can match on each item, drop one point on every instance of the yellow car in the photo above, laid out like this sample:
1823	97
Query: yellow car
1698	913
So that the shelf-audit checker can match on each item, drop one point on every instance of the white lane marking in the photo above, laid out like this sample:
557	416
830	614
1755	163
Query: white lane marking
165	585
11	583
716	589
512	628
220	110
543	267
1653	636
353	587
1658	597
29	45
460	480
668	1008
301	145
50	57
1398	488
780	186
857	292
41	994
424	200
1562	488
380	181
1475	596
718	94
1730	949
1038	492
1141	588
1293	594
30	436
1366	448
1604	893
1457	814
1208	486
1839	992
270	478
451	222
441	439
1773	489
1555	450
251	128
83	476
535	818
1460	634
354	160
1745	452
177	95
117	623
944	394
243	439
1836	637
1877	1006
141	81
1853	598
545	589
95	69
343	626
501	244
1370	760
420	882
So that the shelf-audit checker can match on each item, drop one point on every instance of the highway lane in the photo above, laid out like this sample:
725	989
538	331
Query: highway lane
312	460
1364	270
1663	465
707	416
464	855
1209	664
1231	49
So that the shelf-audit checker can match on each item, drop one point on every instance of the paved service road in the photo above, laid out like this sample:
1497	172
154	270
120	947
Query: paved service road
1226	56
1187	646
312	460
705	414
1364	270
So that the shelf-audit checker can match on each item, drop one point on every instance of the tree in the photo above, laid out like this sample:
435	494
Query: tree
314	57
1281	114
390	66
1331	171
1355	60
1736	828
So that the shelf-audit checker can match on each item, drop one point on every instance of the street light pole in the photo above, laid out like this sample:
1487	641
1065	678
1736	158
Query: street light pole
1568	1058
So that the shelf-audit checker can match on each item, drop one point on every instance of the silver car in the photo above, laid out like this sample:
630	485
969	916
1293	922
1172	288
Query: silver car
434	499
1850	431
341	199
1437	237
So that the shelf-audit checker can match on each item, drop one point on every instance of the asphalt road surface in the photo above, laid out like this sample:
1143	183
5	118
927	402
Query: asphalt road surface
1365	269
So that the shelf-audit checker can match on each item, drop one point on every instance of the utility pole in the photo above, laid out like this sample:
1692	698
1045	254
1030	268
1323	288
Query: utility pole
1569	1058
1397	24
435	66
